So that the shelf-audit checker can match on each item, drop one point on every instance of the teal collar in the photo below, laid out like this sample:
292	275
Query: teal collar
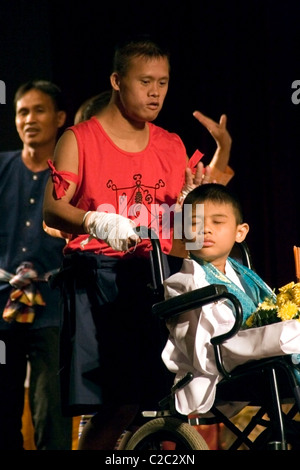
256	290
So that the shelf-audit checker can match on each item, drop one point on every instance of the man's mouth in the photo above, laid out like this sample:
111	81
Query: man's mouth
153	106
31	131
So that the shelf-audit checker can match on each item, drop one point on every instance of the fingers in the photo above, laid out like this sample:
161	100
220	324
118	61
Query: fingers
207	175
133	241
209	123
198	177
218	130
201	176
204	120
206	178
223	121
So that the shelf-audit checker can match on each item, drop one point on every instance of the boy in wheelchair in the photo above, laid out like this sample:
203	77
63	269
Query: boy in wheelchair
210	237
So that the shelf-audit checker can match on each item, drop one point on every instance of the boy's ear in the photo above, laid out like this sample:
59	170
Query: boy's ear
242	230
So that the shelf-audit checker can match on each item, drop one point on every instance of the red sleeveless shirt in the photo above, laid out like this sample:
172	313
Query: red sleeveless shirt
143	186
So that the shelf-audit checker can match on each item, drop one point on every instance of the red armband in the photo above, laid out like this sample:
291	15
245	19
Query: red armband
60	183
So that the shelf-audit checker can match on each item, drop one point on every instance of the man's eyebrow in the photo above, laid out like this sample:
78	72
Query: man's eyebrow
151	75
20	110
37	105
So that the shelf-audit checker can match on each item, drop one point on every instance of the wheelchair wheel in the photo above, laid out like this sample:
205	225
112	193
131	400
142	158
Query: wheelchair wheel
166	434
123	439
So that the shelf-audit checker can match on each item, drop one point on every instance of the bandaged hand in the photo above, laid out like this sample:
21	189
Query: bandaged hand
192	180
117	231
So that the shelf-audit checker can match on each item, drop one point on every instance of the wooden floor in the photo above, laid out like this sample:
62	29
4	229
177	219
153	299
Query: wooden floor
27	428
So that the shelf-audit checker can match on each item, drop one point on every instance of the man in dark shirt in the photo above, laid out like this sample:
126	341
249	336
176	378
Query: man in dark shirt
30	318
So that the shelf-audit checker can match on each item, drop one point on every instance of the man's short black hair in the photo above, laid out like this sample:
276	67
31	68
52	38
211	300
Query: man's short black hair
47	87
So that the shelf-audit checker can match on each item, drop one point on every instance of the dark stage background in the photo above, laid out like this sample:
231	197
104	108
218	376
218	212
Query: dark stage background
234	57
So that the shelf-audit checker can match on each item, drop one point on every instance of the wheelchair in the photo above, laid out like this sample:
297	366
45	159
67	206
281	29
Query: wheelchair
268	387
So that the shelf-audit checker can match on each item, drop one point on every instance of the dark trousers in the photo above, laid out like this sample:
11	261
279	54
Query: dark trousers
111	342
52	431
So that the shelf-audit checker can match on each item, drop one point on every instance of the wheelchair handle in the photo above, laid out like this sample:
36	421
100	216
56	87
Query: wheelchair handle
156	255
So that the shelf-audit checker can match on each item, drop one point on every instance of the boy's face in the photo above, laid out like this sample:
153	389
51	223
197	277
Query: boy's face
215	231
144	87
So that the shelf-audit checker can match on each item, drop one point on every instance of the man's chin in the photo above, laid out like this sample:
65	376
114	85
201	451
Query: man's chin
31	142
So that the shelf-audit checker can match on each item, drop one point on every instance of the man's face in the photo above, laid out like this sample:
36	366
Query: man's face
144	88
37	121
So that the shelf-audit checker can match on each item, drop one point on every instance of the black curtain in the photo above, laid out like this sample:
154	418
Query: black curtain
234	57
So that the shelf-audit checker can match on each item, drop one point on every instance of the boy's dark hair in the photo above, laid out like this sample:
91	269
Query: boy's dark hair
142	45
45	86
216	193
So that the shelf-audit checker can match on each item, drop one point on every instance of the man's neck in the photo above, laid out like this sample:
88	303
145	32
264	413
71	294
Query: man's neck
128	135
36	158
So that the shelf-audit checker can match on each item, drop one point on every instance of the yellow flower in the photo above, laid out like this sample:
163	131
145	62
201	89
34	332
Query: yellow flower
250	320
286	307
290	291
267	304
284	297
296	292
287	287
288	311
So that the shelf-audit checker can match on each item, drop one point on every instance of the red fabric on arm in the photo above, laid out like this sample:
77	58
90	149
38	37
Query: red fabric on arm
60	183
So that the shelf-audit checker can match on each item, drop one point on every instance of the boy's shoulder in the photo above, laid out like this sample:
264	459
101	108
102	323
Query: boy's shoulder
191	276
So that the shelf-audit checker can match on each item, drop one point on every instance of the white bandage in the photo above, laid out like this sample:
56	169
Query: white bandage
116	230
184	192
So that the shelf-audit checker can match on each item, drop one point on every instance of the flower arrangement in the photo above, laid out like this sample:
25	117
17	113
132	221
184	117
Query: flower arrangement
285	307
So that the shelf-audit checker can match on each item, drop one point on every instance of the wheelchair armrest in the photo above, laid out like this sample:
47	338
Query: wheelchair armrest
197	298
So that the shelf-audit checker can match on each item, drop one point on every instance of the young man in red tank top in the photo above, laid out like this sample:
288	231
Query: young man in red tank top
112	173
